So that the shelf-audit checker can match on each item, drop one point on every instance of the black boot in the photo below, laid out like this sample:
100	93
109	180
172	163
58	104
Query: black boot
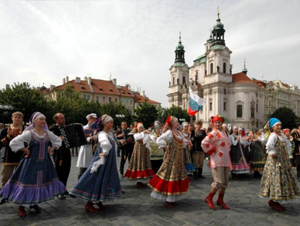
196	174
200	173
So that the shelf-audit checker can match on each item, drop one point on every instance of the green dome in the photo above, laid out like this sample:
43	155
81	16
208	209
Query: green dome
219	25
179	46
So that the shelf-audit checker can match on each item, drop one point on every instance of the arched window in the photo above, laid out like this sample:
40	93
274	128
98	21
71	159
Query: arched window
196	76
183	80
211	68
173	81
239	111
178	81
224	67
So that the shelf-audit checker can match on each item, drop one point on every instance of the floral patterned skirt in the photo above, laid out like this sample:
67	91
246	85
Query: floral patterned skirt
278	181
140	164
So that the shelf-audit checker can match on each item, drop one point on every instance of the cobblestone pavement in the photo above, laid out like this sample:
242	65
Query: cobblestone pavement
136	207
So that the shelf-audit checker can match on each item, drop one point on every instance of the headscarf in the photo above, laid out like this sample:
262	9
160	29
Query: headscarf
285	131
155	127
156	122
35	116
274	122
217	118
170	120
185	124
92	115
139	124
105	119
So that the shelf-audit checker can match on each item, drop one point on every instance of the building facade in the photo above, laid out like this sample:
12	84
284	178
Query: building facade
100	91
235	96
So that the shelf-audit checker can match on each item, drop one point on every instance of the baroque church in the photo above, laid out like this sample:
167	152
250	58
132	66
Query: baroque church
235	96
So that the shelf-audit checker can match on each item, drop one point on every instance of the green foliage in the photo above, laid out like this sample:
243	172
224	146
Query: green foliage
75	108
25	99
146	113
178	112
286	116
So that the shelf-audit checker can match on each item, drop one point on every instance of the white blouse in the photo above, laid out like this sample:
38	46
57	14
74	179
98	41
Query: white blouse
18	143
272	141
144	137
104	142
167	138
234	141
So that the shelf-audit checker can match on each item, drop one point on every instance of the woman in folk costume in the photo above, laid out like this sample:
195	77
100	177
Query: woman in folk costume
156	153
278	182
198	153
257	154
239	152
86	151
216	144
35	180
101	180
171	181
140	165
187	152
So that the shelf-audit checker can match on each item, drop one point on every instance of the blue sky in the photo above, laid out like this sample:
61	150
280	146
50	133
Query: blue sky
44	41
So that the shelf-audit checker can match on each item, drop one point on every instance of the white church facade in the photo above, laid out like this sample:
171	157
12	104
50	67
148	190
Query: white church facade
234	96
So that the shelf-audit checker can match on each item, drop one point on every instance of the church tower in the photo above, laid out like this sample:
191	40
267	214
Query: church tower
218	67
179	77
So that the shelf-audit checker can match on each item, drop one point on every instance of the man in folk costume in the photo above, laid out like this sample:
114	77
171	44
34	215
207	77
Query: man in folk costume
278	182
296	154
127	143
171	181
217	145
86	151
61	156
11	159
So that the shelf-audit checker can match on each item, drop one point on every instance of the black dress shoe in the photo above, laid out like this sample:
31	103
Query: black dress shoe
72	196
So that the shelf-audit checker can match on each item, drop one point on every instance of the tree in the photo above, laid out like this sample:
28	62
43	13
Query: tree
286	116
117	111
178	112
146	113
25	99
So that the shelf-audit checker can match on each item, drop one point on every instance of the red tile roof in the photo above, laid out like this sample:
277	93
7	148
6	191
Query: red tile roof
125	92
260	83
99	87
241	78
140	99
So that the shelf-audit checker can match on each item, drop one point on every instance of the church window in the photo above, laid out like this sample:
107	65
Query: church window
224	67
224	106
210	106
183	80
178	81
210	92
196	76
224	91
211	68
173	81
252	112
239	111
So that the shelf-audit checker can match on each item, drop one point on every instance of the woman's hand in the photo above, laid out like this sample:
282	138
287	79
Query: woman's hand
101	154
50	150
27	152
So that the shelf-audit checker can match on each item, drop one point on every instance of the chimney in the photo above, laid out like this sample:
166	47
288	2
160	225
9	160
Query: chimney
85	78
114	81
77	80
128	87
64	81
89	80
143	93
7	86
67	79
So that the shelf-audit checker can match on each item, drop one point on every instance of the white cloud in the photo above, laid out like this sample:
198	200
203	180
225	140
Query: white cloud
43	41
